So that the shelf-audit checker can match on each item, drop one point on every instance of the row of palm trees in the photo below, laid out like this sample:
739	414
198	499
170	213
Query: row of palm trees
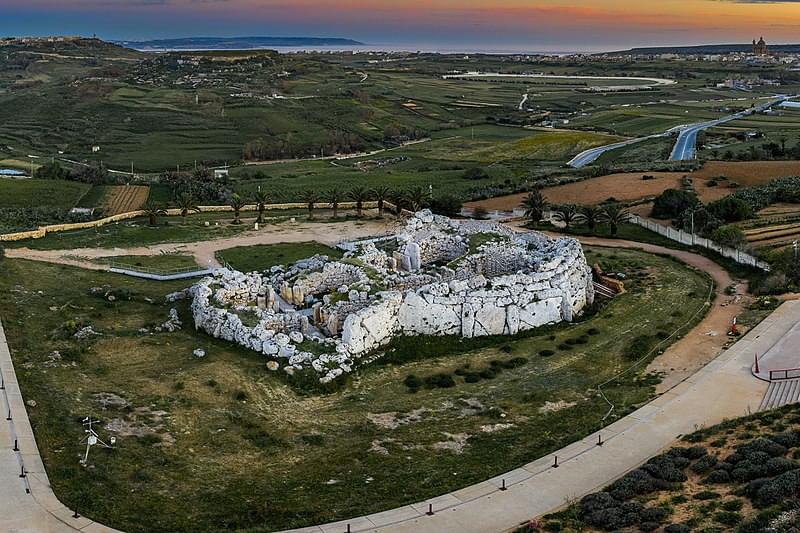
414	199
571	215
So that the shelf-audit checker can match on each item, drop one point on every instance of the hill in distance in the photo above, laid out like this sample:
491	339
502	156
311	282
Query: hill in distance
234	43
707	49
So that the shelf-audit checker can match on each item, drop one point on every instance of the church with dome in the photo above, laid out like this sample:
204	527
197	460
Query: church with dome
760	48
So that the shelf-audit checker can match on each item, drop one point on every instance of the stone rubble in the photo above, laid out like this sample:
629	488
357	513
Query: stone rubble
327	315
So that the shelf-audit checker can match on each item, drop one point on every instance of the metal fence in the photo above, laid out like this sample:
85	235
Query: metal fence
690	239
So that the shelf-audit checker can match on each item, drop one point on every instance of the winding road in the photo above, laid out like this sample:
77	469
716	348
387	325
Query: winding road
686	144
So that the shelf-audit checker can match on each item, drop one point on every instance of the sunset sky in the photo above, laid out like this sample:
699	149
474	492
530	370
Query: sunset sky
534	25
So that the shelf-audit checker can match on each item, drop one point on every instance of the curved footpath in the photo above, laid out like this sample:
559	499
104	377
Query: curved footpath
723	388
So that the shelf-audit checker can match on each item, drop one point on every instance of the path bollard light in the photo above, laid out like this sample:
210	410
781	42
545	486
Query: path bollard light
75	514
348	529
600	440
16	446
503	485
555	461
9	414
430	510
2	383
22	471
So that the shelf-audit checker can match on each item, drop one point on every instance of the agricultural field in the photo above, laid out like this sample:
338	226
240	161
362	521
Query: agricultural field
124	199
40	193
776	226
233	429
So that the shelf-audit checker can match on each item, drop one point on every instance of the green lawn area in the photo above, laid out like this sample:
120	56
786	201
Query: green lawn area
34	193
262	257
221	443
164	263
137	232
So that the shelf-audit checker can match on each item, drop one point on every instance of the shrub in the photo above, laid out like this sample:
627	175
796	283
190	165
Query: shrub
727	518
564	346
732	505
638	347
547	353
677	528
476	173
704	464
412	382
718	477
488	373
672	203
441	381
240	396
706	495
786	485
593	331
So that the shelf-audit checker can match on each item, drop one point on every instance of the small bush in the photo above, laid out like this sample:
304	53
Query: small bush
732	505
727	518
564	347
547	353
677	528
441	381
240	396
706	495
412	382
593	331
718	477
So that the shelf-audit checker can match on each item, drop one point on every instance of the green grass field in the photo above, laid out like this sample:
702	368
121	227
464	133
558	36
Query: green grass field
35	193
262	257
198	438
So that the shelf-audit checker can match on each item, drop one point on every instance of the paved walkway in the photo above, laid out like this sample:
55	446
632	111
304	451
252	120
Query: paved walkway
27	504
722	389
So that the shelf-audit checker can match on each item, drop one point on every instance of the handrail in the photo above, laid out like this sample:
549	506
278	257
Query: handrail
775	375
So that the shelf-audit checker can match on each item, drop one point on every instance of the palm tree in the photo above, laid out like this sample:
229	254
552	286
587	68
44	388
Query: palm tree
614	215
592	216
535	205
418	198
400	201
185	202
261	199
334	197
568	214
237	203
359	195
381	194
152	211
310	198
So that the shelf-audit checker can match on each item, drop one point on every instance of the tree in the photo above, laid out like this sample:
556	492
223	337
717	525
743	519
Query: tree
592	216
359	195
381	193
418	198
730	236
400	201
447	204
476	173
51	171
186	204
237	203
261	199
672	203
731	209
614	215
334	197
152	211
310	198
568	214
535	205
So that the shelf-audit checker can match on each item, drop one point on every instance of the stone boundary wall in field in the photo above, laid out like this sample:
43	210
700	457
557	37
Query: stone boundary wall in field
743	258
57	228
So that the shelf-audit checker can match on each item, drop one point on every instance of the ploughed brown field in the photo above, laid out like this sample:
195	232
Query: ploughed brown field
627	187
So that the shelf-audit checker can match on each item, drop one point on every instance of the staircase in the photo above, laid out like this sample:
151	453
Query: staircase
781	393
603	291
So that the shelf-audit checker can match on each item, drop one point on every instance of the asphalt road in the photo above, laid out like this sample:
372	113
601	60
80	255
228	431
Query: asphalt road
685	146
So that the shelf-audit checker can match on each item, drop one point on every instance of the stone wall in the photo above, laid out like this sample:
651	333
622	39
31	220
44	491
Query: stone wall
514	284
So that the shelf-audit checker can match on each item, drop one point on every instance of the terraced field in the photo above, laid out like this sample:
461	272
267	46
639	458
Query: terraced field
125	198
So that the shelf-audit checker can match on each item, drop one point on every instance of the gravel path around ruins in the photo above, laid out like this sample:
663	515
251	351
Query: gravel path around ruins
204	251
706	340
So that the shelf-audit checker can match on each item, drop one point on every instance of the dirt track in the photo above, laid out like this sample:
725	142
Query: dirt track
204	252
709	337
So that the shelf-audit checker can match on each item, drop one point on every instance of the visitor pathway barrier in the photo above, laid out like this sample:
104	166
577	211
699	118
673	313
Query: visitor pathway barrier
689	239
784	375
